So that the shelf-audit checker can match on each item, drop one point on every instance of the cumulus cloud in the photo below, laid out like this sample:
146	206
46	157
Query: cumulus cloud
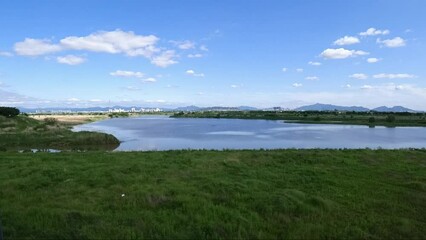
196	55
312	78
341	53
374	32
36	47
6	54
116	41
360	76
165	59
193	73
393	76
299	70
314	63
70	60
149	80
73	100
184	45
346	40
236	85
204	48
296	85
127	74
284	69
367	87
373	60
132	88
392	43
112	42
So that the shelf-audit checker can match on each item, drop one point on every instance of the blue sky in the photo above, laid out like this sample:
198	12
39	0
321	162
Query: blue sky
210	53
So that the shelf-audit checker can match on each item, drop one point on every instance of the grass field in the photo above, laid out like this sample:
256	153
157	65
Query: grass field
24	133
286	194
319	117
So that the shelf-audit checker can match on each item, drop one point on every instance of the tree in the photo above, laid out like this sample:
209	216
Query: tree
9	111
390	118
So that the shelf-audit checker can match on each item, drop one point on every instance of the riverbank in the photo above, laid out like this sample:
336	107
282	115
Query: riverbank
290	194
319	117
71	119
25	133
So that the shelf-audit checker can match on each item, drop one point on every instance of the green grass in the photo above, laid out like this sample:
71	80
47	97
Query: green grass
21	133
319	117
286	194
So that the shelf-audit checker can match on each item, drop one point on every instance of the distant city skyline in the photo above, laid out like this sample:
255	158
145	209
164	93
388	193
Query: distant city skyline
213	53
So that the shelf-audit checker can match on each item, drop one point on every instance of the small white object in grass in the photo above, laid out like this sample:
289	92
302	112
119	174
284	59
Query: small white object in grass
122	195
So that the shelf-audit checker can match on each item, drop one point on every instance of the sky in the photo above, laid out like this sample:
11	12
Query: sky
260	53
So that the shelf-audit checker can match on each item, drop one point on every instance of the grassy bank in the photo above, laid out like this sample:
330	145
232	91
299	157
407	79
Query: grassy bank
305	194
319	117
22	132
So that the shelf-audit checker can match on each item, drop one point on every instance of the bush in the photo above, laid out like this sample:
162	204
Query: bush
371	120
9	111
50	121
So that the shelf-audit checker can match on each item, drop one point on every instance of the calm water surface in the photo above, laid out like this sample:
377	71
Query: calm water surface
164	133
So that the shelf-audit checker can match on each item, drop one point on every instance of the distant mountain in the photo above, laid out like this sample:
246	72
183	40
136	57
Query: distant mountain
329	107
393	109
247	108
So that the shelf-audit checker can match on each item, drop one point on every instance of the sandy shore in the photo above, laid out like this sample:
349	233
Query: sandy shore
71	118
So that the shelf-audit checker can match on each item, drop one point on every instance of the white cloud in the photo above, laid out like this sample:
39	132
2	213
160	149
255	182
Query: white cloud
393	76
193	73
346	40
296	85
312	78
374	32
165	59
73	100
360	76
196	55
347	86
392	43
114	42
185	45
367	87
204	48
299	70
132	88
128	74
35	47
149	80
6	54
70	60
373	60
236	86
284	69
341	53
314	63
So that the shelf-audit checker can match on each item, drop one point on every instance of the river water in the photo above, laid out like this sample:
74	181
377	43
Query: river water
164	133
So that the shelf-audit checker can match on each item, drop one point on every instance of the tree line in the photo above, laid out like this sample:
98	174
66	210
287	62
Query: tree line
9	111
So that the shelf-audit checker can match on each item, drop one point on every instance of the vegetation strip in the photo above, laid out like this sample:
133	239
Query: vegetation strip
21	132
320	117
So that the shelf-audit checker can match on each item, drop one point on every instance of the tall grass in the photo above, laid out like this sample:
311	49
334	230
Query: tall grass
287	194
